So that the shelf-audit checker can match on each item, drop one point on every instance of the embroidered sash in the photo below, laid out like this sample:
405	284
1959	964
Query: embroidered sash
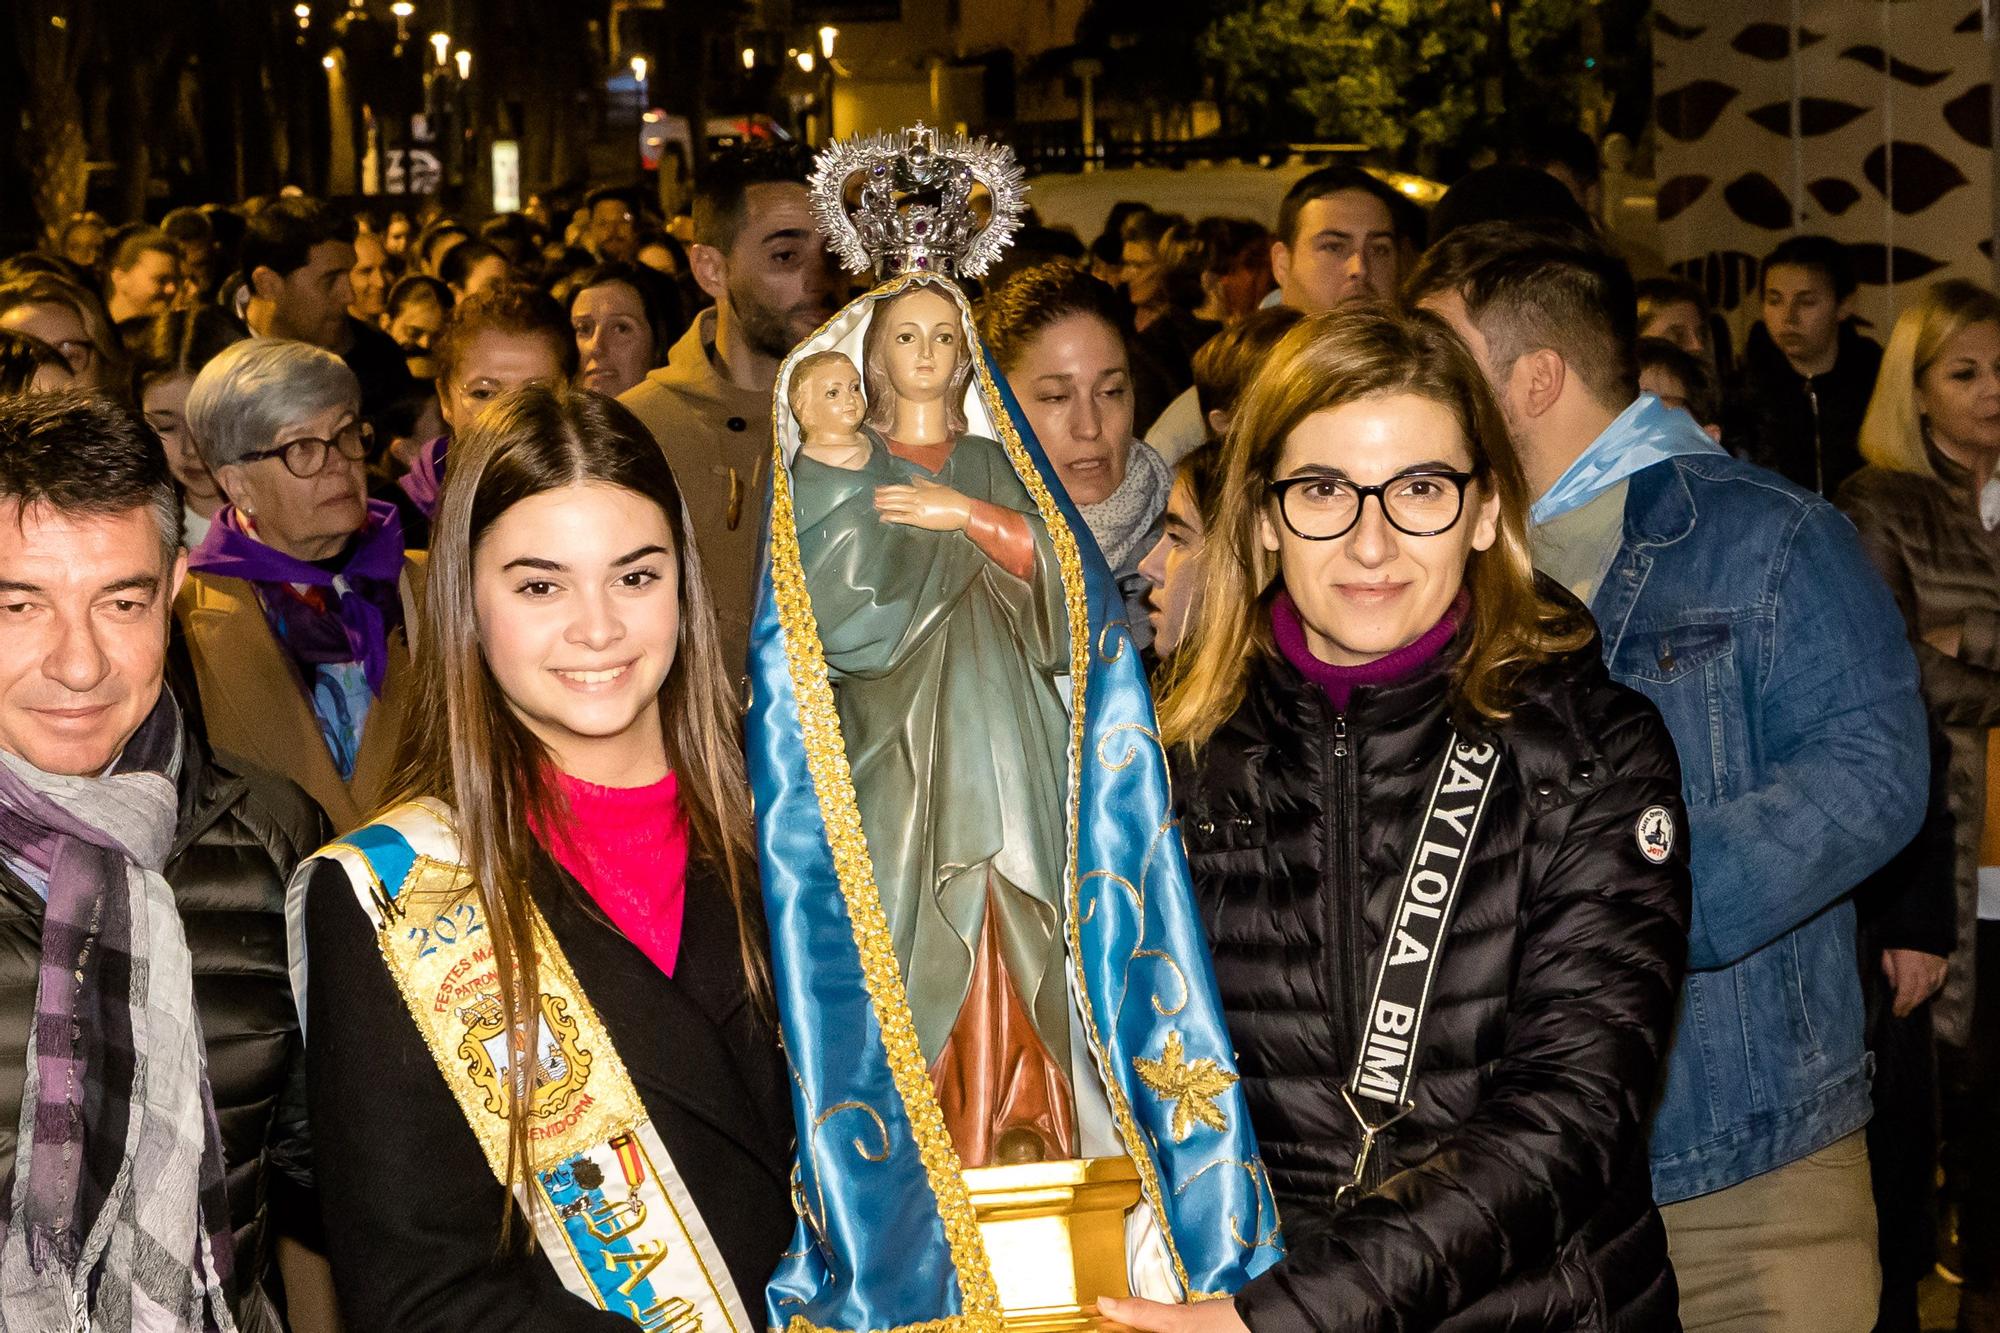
613	1215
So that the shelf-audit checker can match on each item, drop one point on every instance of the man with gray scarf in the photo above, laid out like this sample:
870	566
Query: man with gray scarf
142	949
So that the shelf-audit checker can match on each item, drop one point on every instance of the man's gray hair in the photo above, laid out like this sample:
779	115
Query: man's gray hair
258	387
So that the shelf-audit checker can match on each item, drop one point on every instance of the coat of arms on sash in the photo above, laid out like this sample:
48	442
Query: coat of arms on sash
991	978
562	1065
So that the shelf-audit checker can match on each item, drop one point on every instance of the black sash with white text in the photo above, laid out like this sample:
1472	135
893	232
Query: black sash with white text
1393	1029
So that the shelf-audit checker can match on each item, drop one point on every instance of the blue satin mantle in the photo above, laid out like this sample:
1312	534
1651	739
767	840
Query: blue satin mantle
871	1251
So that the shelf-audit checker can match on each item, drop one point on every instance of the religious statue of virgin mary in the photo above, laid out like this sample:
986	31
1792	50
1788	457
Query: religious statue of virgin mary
985	951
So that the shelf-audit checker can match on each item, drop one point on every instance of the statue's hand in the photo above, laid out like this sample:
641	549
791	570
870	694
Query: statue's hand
924	504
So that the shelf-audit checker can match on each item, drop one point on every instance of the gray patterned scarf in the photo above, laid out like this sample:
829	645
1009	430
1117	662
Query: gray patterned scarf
116	1217
1122	520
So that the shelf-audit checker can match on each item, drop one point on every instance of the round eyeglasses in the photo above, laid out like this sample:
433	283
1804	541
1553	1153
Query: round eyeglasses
1417	504
308	457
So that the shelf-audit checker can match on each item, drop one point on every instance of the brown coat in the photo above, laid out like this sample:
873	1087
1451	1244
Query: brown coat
1944	568
254	706
718	438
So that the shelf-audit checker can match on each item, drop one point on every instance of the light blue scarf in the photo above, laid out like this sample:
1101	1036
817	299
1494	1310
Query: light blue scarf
1645	433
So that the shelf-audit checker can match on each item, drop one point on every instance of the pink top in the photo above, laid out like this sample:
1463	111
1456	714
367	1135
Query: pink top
628	847
1340	682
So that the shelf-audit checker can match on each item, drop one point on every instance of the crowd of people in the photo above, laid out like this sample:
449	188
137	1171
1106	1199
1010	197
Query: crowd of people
309	512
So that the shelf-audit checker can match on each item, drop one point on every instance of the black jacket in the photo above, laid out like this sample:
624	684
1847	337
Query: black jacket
241	833
412	1209
378	363
1910	903
1806	429
1516	1195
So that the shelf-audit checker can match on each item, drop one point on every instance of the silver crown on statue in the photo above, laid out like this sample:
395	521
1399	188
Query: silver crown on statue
915	210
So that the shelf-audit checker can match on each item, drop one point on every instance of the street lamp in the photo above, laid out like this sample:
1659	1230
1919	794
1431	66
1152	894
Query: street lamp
464	59
441	43
828	34
1089	71
402	9
639	68
749	57
327	62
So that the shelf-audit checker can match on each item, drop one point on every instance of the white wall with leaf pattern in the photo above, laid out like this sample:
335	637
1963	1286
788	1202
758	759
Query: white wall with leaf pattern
1867	120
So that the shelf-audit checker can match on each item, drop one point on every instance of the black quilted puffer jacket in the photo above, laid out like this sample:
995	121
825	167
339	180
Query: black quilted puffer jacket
240	835
1516	1194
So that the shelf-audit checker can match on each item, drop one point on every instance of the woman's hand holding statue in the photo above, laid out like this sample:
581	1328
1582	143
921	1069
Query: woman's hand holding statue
1143	1316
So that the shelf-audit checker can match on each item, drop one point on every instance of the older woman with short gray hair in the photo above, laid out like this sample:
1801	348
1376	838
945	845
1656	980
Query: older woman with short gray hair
297	598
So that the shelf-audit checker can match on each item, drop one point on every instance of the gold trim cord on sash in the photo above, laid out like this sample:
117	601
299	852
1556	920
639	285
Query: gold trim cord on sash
612	1215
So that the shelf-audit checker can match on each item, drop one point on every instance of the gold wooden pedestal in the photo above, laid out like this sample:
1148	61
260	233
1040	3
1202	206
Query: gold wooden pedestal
1055	1237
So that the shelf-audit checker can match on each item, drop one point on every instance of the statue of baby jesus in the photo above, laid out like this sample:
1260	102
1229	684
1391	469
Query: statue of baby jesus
826	399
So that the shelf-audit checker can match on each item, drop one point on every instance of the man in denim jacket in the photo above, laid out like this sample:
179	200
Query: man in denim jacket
1744	608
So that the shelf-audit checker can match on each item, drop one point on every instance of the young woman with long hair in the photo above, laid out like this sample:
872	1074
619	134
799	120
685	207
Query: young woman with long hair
564	886
1441	858
1173	567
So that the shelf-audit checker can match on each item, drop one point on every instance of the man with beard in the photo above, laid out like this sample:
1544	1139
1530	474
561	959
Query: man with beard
298	259
757	253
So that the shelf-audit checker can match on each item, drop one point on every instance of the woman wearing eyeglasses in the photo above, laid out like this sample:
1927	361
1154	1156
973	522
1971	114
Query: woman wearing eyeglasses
1441	858
297	599
71	319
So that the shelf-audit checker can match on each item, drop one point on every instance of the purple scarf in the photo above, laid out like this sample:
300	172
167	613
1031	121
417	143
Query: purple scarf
1340	682
121	1102
368	601
424	482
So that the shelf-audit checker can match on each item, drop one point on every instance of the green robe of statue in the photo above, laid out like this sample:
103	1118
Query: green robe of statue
944	670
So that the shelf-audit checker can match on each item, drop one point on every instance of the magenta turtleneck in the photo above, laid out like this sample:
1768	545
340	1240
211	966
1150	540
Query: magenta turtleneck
628	847
1340	682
